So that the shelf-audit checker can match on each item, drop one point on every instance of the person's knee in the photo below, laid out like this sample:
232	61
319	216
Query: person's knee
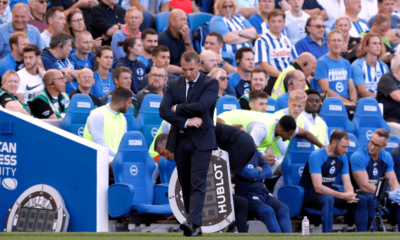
265	210
283	210
362	201
327	201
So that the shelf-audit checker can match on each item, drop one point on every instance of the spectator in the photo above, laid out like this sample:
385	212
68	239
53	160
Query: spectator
83	52
149	41
358	26
86	81
273	50
31	76
177	36
106	19
259	80
157	81
236	30
313	8
57	57
84	5
188	6
389	92
122	77
345	25
103	79
368	10
52	102
133	48
295	21
368	69
133	19
334	74
314	42
5	12
387	7
381	26
14	61
208	61
259	19
295	80
258	101
19	24
247	8
144	5
222	77
226	60
334	9
8	100
55	20
37	12
240	80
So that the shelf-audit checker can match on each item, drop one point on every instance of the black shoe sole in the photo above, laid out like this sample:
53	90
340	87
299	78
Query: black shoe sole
186	230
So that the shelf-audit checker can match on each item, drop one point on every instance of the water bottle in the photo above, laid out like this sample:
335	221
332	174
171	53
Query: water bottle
305	229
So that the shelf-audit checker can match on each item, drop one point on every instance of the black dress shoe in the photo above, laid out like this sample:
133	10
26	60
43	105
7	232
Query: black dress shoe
197	232
187	229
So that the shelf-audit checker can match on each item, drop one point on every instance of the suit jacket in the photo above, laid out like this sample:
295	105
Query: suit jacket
200	103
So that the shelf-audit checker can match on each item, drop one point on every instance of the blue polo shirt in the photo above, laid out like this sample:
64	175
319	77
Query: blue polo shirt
308	45
7	29
238	85
102	86
9	63
87	63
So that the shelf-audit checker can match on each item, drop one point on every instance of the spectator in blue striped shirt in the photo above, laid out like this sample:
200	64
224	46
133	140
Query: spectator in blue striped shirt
358	26
259	19
235	29
368	69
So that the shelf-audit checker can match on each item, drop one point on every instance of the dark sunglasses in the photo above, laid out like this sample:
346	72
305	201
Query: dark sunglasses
318	26
224	78
4	2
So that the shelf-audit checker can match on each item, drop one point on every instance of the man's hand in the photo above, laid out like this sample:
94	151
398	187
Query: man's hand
97	42
270	158
194	122
386	57
84	3
261	169
395	196
93	3
350	103
349	196
185	31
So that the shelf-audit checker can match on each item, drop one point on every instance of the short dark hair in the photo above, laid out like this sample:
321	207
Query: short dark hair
31	48
51	11
254	95
117	72
121	95
338	135
160	140
127	43
310	19
158	49
219	37
312	91
58	38
275	13
14	37
259	70
148	31
188	56
287	123
239	53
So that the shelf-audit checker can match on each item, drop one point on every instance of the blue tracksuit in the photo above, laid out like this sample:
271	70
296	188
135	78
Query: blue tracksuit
250	184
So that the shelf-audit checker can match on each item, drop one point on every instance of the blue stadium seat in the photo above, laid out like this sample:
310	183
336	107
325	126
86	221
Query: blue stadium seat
272	107
78	111
393	143
166	167
149	116
226	103
162	21
134	192
333	112
132	123
197	19
367	118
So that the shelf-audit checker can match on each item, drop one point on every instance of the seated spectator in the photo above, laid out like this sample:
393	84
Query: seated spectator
368	69
258	101
14	61
273	50
222	77
144	5
37	10
314	42
295	21
333	9
103	80
387	7
235	29
52	102
31	76
83	52
8	100
259	19
133	48
240	80
358	26
334	73
177	36
122	77
188	6
19	24
133	19
106	19
157	81
226	60
5	13
55	20
295	80
208	61
57	57
86	81
247	8
389	92
368	10
259	80
313	8
345	25
319	174
149	41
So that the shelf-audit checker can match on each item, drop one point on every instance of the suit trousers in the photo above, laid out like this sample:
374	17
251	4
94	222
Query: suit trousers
192	166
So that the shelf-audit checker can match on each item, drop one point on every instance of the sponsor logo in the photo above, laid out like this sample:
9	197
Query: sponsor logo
332	170
369	134
154	131
303	144
375	164
229	106
337	75
352	144
335	108
328	180
392	145
135	142
373	181
31	88
255	198
46	113
301	169
10	183
8	99
139	71
370	108
80	131
154	104
339	87
250	166
333	162
281	53
270	108
83	105
134	170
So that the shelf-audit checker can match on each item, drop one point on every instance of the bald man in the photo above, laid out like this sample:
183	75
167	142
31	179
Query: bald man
86	80
294	80
208	61
177	36
52	102
83	51
305	63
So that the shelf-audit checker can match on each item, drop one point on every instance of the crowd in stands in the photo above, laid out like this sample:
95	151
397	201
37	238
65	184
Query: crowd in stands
296	52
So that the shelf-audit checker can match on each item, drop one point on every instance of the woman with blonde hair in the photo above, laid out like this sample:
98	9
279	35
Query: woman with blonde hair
343	23
222	77
8	100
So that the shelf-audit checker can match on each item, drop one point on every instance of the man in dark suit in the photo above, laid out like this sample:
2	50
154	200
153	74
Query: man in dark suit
188	104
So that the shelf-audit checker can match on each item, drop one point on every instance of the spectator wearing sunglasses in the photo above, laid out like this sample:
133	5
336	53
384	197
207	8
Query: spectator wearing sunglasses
37	10
258	82
5	12
222	77
314	42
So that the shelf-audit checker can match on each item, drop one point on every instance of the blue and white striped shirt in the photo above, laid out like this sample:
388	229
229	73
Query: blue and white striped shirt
277	52
363	73
357	27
